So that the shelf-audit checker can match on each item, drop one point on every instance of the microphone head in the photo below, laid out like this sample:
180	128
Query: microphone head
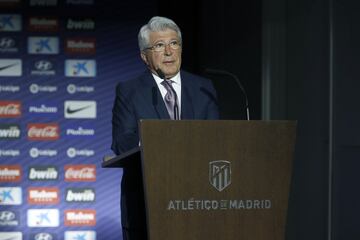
160	73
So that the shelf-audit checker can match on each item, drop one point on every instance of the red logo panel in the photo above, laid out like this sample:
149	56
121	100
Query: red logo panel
83	217
10	173
80	173
10	109
43	195
80	46
43	131
43	24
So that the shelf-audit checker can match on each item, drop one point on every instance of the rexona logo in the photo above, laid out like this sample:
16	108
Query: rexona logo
43	236
43	108
80	24
80	109
9	218
80	173
11	236
43	173
43	131
43	218
10	109
9	131
10	23
8	45
10	196
80	68
43	24
10	173
43	45
80	195
43	195
83	217
80	131
80	46
43	3
83	235
10	67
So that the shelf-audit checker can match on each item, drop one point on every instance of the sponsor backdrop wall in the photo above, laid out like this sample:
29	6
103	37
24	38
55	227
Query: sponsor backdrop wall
59	64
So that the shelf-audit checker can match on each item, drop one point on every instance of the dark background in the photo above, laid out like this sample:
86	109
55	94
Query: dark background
298	60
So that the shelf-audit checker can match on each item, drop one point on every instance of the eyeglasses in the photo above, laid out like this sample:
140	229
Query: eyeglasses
160	46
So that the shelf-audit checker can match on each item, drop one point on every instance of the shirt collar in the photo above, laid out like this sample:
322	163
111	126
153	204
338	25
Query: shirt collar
176	79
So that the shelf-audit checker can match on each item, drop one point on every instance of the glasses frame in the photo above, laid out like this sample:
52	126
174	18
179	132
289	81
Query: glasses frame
163	47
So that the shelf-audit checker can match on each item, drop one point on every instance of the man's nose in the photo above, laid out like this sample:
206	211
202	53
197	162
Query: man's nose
168	50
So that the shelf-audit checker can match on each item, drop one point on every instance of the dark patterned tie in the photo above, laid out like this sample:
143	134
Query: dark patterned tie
171	100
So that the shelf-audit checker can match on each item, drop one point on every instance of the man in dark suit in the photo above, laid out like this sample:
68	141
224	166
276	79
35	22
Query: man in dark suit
163	91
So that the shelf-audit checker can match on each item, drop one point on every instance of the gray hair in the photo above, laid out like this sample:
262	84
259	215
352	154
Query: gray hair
156	24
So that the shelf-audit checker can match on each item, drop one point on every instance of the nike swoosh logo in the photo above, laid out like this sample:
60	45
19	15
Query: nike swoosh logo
71	111
8	66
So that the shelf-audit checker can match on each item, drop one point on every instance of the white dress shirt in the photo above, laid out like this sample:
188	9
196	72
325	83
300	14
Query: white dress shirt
176	84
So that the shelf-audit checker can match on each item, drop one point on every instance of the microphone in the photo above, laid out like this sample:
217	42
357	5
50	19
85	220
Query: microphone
161	75
233	76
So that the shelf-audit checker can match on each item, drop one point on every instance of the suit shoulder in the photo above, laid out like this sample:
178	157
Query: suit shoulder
129	86
195	79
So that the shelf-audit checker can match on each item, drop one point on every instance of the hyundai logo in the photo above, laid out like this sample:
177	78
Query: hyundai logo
7	42
43	236
43	65
7	216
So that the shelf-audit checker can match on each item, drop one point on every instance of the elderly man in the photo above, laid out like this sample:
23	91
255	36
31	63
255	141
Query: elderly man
163	91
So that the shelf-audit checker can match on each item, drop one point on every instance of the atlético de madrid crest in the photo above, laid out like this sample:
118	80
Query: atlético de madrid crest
220	174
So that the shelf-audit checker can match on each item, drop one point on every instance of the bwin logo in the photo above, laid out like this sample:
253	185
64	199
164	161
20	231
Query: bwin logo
6	42
43	236
43	65
6	216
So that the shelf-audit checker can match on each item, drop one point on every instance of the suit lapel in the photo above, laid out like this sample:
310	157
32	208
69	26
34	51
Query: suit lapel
153	96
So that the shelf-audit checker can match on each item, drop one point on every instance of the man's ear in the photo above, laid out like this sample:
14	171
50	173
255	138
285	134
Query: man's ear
143	57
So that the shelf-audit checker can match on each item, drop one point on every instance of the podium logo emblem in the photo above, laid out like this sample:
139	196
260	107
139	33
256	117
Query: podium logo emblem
220	174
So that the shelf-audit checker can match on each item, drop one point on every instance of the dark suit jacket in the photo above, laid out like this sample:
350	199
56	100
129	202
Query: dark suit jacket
138	99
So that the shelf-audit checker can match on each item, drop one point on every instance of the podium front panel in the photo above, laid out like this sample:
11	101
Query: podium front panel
216	179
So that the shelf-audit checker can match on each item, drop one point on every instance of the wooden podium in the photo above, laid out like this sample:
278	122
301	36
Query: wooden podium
211	180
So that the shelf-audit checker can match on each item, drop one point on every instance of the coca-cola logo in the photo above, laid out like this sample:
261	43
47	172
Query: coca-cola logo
43	131
80	173
9	109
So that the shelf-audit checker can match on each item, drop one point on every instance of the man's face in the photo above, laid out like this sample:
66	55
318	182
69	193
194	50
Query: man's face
169	60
